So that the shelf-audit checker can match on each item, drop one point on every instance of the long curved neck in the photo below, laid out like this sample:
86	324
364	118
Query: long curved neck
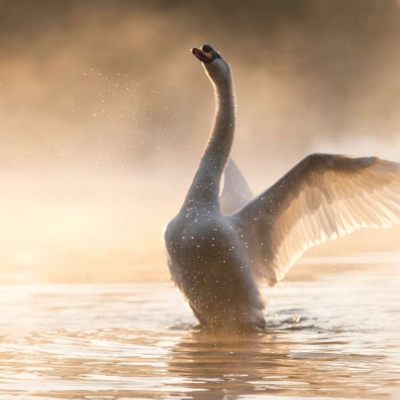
205	188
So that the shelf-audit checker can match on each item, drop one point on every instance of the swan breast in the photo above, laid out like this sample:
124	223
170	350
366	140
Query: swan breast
209	265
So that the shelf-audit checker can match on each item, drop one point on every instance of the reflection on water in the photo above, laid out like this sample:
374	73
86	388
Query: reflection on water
336	336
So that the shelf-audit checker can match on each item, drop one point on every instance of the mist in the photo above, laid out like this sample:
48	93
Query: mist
105	114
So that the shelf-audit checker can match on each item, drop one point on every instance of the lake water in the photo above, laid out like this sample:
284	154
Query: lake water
330	335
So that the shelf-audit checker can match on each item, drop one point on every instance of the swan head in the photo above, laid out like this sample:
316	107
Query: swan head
216	67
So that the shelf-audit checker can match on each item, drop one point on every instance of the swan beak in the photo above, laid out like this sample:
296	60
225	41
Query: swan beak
202	56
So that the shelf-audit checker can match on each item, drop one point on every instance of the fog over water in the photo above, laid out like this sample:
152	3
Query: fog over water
105	114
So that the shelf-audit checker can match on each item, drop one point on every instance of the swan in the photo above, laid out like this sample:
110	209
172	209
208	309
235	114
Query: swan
222	245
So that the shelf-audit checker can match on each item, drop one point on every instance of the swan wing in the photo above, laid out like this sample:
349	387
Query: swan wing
236	192
323	197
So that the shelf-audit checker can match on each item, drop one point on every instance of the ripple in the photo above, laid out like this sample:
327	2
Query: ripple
335	337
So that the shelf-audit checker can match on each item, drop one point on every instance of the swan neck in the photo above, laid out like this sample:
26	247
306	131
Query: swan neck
205	188
221	139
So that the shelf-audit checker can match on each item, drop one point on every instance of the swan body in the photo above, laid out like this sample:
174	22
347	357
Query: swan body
221	246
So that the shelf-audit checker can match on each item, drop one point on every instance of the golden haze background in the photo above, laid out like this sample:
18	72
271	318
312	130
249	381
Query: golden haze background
105	114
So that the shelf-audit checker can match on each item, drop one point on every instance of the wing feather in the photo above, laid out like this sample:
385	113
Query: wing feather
322	197
236	192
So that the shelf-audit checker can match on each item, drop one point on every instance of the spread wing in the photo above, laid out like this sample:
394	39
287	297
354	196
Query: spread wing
236	192
322	197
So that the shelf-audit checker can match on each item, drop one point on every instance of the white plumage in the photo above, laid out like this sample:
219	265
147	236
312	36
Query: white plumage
221	247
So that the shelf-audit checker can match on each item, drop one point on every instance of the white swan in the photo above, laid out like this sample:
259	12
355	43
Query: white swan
217	260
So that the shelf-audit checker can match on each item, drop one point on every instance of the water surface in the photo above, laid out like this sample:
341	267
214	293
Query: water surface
330	336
